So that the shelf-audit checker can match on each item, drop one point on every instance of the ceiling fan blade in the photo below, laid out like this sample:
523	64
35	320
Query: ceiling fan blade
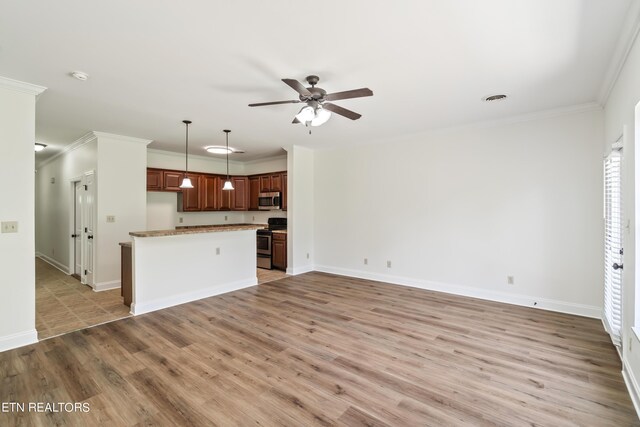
295	121
297	86
342	111
260	104
355	93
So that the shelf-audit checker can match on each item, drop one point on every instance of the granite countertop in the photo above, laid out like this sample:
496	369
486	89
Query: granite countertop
197	230
127	244
279	231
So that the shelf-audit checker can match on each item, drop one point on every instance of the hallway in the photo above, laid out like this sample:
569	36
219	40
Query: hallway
63	304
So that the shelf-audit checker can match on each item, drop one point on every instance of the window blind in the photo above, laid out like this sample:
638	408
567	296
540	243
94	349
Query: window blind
613	245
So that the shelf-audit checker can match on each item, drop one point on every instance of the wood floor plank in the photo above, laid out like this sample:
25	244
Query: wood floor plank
320	349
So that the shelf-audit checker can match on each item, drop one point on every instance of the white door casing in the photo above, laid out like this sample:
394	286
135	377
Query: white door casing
77	227
88	223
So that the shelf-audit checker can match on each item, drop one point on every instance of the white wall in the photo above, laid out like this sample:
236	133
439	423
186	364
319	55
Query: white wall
274	164
54	200
460	210
121	192
17	136
301	206
619	116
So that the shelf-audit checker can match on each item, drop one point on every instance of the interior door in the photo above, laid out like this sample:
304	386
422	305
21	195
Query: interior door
77	229
88	216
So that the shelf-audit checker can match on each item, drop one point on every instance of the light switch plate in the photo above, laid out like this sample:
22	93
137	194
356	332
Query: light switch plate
10	226
111	218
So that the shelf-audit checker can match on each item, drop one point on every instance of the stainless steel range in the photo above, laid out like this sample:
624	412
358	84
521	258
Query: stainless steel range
263	240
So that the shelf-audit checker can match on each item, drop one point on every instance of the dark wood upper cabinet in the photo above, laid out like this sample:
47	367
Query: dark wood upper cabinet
154	179
284	191
265	183
240	193
172	180
254	192
224	196
189	199
276	182
209	192
208	195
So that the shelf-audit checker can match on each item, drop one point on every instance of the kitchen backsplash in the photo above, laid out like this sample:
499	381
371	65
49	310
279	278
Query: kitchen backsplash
162	214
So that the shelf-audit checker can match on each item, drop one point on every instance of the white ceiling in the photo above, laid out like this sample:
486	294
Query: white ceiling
429	62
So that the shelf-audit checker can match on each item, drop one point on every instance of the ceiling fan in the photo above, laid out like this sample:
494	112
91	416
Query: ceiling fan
318	110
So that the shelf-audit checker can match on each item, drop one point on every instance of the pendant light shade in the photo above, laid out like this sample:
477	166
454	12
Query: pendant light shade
228	185
186	181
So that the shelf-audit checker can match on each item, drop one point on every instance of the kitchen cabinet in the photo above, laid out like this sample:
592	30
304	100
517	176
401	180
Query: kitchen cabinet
209	193
276	182
126	273
171	180
189	199
284	191
254	192
240	194
154	180
279	251
265	183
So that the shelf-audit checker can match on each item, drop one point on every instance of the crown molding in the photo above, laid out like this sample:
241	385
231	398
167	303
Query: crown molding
192	156
83	140
266	159
122	138
521	118
628	36
22	87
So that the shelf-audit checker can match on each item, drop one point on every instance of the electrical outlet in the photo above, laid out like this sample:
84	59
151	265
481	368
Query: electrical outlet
254	218
10	226
111	218
226	217
53	180
180	220
510	280
366	261
388	264
307	255
217	251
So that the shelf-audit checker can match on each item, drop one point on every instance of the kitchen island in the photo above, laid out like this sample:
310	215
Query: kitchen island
172	267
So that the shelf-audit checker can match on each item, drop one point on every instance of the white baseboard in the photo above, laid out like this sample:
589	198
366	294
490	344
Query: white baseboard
509	298
18	340
632	386
160	303
60	266
105	286
300	270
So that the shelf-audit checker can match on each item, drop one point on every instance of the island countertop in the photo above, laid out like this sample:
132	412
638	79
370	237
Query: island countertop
197	230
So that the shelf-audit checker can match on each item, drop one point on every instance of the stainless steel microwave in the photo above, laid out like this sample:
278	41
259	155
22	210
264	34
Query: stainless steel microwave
269	201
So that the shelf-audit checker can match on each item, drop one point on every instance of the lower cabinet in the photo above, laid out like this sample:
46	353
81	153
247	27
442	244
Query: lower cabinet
279	251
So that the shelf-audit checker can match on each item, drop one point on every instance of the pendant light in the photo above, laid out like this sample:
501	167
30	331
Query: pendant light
227	184
186	182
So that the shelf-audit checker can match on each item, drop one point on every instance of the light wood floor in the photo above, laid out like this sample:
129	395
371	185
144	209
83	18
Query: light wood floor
265	276
319	349
63	304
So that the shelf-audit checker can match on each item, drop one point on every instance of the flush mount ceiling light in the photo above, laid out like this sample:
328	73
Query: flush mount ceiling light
490	98
220	149
40	146
80	75
186	182
228	185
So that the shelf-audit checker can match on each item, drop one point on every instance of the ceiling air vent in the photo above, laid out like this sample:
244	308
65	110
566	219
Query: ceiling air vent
494	98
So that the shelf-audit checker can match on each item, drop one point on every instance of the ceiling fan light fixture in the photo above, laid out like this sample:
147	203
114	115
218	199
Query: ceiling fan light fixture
321	117
39	146
306	114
